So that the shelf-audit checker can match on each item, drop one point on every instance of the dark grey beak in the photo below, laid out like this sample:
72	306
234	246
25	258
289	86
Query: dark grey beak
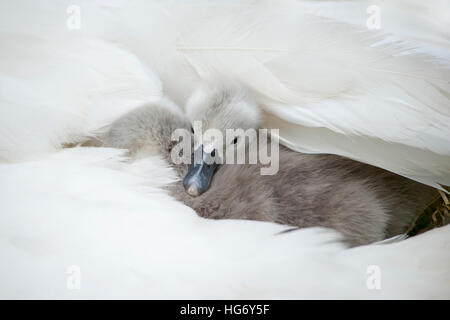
199	176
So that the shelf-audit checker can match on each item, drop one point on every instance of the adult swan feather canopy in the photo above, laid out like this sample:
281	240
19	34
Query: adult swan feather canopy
329	86
327	82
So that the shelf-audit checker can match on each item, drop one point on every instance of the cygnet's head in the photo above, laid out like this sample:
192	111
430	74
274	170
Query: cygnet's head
217	105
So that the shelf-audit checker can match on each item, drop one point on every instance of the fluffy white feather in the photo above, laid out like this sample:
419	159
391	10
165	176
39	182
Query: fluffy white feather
89	208
316	73
424	25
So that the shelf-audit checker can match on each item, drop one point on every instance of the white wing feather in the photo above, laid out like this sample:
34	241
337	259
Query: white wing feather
378	103
86	207
57	90
330	86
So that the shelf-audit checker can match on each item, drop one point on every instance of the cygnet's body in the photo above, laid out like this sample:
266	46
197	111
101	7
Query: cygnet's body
364	203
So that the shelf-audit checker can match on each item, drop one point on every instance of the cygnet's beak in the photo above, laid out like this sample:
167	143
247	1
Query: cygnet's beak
199	176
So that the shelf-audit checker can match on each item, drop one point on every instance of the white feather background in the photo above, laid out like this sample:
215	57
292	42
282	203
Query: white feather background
57	90
332	88
323	78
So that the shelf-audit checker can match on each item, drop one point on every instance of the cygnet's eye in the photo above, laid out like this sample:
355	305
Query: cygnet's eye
234	140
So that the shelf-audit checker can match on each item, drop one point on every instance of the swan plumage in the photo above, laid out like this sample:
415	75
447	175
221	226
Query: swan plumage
373	99
350	91
54	201
365	204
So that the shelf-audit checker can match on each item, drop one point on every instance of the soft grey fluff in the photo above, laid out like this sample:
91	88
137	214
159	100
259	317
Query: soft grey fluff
364	203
